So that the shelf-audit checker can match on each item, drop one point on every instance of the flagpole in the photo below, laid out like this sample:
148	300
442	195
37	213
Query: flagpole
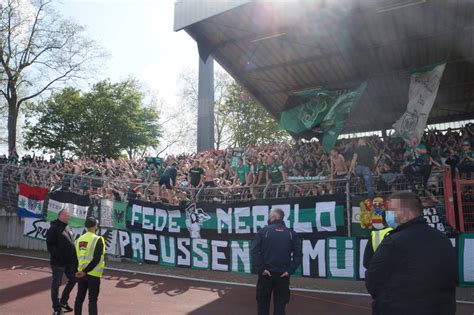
348	208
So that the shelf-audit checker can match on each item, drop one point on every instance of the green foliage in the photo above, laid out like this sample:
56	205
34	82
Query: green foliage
56	124
250	124
39	48
106	121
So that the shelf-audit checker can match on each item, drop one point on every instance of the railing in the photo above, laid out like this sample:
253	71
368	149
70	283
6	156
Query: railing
116	189
95	187
465	202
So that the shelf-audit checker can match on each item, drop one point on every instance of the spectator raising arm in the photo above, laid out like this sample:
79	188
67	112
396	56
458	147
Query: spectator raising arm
353	164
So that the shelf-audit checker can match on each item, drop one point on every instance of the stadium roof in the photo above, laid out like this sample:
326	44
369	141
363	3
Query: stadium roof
274	48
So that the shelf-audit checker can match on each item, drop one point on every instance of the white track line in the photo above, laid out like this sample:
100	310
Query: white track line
216	281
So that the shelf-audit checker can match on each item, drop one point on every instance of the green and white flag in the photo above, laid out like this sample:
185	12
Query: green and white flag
356	228
465	259
424	84
119	215
76	204
321	108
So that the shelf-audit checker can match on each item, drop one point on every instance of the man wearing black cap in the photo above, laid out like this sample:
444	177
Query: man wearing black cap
90	251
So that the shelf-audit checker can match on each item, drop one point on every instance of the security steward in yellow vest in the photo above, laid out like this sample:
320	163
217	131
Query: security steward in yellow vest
376	237
90	251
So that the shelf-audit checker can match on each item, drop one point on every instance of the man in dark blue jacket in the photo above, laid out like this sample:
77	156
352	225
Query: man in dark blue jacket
414	269
276	253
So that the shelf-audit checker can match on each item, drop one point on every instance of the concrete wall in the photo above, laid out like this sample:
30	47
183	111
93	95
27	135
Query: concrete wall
11	233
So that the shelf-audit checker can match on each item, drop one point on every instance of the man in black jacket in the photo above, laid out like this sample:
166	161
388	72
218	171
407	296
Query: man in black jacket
272	251
60	243
414	269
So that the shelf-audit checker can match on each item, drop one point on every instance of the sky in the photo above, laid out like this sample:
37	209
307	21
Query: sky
139	36
139	39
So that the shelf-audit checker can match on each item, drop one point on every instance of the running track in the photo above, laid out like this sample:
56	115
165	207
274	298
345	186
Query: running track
25	283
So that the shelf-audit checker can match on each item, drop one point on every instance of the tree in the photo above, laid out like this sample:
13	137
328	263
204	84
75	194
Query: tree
249	123
116	119
3	121
56	125
188	104
222	132
38	50
238	120
146	130
108	120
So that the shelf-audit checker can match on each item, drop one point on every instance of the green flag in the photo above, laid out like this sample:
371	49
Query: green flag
321	107
314	105
119	214
334	121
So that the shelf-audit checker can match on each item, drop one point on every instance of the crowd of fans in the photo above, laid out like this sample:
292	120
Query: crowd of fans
300	168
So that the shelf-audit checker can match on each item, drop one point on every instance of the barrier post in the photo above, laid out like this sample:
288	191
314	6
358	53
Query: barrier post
265	190
449	197
348	209
198	194
459	201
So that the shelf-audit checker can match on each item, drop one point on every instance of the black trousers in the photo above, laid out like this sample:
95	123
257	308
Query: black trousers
280	287
91	284
58	272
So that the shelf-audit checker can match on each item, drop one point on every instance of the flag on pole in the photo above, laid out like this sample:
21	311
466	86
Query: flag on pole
31	201
424	84
76	204
321	108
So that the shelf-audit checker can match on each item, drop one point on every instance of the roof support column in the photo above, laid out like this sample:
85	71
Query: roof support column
205	123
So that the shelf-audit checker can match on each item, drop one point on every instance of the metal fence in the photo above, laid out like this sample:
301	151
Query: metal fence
116	189
464	187
93	186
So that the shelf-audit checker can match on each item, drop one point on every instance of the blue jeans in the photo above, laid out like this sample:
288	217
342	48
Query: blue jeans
365	172
58	272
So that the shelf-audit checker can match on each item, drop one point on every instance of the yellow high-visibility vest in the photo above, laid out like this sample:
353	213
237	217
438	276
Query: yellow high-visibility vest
378	236
85	247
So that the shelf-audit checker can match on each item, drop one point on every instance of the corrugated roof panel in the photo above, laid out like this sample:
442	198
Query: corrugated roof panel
318	74
310	75
301	77
334	64
268	55
188	12
382	48
268	75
